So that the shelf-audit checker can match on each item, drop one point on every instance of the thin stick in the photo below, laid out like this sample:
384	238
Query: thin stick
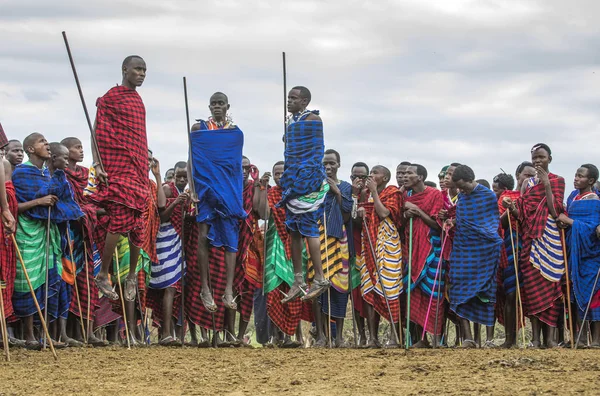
85	340
266	228
564	248
519	307
189	129
85	110
47	271
328	278
37	305
440	296
437	271
410	238
284	94
380	280
587	308
122	297
3	326
183	258
87	281
351	289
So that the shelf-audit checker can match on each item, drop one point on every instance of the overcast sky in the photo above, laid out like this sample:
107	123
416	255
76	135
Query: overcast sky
477	82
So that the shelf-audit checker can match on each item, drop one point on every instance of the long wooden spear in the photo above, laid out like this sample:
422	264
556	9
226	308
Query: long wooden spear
47	251
410	242
284	94
564	248
83	329
85	110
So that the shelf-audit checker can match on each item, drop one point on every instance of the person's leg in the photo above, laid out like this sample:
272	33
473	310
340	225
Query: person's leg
339	332
373	325
360	325
536	329
230	263
131	322
297	289
203	251
489	334
230	326
551	336
477	333
107	259
299	336
595	327
510	325
242	327
28	325
321	337
167	311
131	281
468	341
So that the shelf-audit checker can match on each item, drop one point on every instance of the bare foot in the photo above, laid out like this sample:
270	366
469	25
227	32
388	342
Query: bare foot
105	287
229	301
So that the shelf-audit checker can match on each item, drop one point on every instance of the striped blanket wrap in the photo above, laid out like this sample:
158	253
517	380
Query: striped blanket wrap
540	291
387	257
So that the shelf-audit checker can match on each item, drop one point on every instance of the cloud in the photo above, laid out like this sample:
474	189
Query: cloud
477	82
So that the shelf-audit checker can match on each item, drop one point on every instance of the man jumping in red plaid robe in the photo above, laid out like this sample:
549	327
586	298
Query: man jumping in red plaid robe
123	171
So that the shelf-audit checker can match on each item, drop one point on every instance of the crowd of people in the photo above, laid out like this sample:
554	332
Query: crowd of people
108	254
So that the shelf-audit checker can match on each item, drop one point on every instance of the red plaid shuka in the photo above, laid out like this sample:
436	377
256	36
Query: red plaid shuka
249	255
123	148
285	316
390	198
154	299
195	311
540	296
8	256
78	180
151	222
431	201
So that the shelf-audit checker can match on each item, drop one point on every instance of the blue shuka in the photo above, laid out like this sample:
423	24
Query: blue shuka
304	179
32	183
218	181
475	256
584	253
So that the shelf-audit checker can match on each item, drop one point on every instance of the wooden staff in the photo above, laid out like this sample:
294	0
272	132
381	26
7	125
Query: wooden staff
587	308
351	289
183	258
37	305
85	110
76	287
284	95
3	326
564	248
438	270
122	297
328	278
410	241
47	270
519	307
380	280
87	281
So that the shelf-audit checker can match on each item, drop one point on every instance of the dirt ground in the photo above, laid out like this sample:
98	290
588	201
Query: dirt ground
159	371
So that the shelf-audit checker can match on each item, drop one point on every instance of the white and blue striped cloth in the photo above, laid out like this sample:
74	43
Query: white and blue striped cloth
167	271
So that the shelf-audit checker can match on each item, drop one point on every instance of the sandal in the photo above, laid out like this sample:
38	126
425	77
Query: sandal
130	289
317	288
169	341
208	302
105	288
468	344
33	346
229	303
489	345
295	292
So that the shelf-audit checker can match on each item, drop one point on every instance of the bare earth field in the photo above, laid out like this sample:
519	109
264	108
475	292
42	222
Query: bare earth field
159	371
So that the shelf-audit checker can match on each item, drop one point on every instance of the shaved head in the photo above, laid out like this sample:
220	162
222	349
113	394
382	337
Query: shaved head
30	140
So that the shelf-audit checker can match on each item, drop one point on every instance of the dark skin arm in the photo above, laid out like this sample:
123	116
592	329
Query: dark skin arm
543	176
48	200
380	209
260	203
161	198
412	210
